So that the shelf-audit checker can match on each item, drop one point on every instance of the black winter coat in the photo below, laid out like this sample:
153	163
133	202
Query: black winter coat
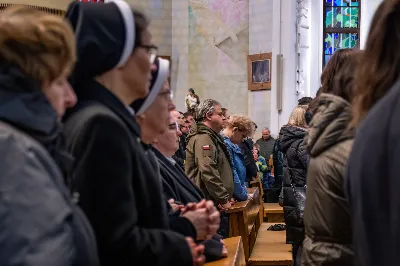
120	189
294	170
251	167
176	184
278	163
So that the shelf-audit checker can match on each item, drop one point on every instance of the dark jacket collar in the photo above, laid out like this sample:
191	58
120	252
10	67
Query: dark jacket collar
192	191
92	91
23	104
25	107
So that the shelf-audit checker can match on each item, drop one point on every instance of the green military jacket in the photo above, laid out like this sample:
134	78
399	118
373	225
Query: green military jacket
208	164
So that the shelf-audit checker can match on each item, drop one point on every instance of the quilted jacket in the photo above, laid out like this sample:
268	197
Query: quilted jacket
294	170
327	222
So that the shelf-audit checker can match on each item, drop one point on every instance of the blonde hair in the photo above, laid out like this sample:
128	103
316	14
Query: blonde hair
297	117
242	122
40	44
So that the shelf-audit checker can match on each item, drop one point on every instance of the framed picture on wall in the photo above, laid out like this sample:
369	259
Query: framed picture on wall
259	71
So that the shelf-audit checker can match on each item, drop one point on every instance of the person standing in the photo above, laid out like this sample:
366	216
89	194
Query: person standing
237	128
39	222
266	143
372	181
294	175
119	188
327	217
192	101
208	162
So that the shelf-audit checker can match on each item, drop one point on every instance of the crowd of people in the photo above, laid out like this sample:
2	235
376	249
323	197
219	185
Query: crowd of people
99	168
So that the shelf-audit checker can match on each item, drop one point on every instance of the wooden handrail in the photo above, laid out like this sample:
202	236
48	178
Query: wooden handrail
242	205
238	207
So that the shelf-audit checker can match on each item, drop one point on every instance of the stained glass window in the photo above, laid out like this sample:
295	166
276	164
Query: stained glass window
341	26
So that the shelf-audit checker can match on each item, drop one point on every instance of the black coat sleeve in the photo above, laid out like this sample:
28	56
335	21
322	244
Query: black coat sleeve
108	199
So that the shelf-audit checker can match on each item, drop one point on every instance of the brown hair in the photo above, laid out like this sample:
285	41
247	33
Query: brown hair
242	122
338	60
343	83
380	66
40	44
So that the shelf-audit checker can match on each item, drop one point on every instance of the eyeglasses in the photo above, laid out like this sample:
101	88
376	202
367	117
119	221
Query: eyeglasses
168	94
151	50
173	126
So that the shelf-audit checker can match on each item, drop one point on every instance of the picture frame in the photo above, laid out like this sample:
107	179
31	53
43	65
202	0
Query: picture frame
259	71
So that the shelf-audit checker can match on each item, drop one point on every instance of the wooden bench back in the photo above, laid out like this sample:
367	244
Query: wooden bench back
245	220
235	257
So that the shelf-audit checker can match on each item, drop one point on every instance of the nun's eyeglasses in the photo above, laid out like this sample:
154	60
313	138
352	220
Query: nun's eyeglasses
167	94
151	49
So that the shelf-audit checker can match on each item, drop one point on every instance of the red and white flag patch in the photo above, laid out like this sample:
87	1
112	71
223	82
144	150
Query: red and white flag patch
206	147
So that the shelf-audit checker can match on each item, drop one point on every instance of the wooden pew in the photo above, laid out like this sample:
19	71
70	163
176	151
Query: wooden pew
245	220
273	213
271	248
235	257
257	183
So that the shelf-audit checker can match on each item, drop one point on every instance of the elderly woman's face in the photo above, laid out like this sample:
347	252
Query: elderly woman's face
158	115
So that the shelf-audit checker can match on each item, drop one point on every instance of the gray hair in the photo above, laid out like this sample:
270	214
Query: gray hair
266	128
207	107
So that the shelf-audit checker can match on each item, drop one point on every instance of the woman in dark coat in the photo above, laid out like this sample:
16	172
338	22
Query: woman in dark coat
120	190
39	223
179	188
294	172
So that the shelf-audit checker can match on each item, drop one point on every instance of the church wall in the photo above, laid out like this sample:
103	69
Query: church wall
160	14
208	44
218	48
260	41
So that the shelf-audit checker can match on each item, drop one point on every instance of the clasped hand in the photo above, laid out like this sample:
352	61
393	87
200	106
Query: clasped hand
203	215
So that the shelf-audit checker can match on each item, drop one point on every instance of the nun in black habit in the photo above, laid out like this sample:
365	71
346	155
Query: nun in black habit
187	192
156	125
153	115
118	188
